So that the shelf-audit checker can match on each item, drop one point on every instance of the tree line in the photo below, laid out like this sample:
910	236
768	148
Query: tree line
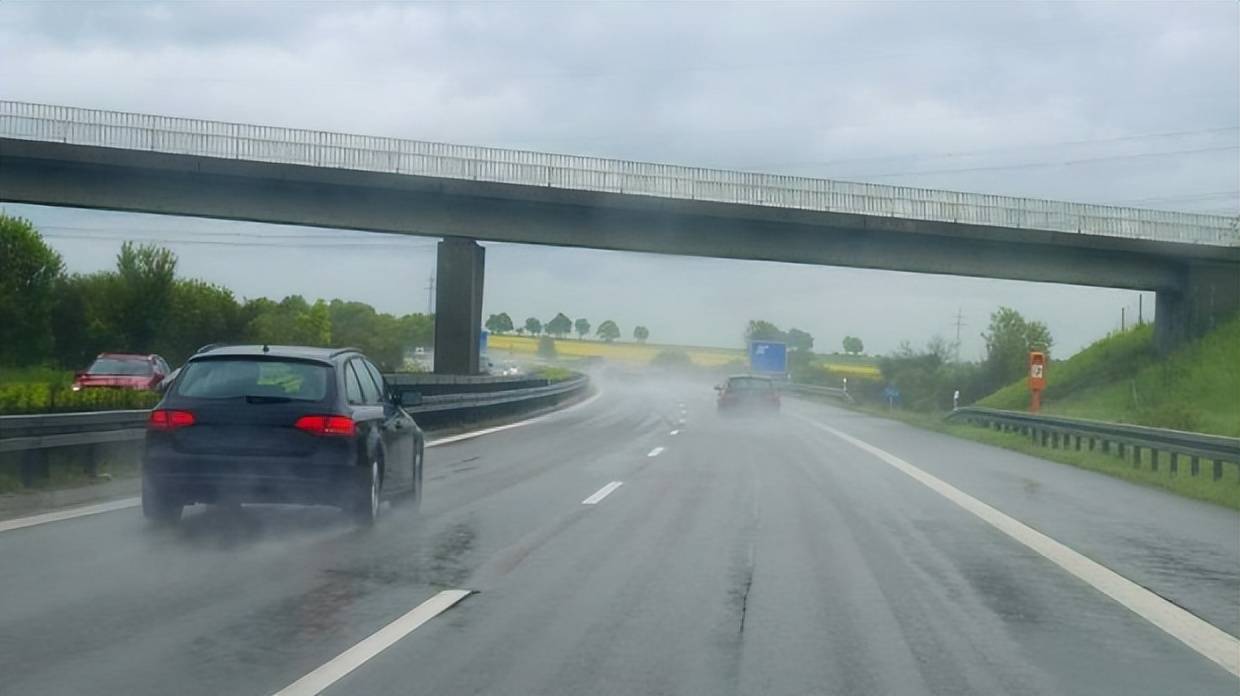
54	318
560	326
927	378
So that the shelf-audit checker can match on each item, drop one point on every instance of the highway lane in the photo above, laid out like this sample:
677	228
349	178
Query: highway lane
742	557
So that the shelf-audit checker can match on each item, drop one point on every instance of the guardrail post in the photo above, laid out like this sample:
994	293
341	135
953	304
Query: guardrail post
1173	462
1091	443
1136	456
1119	448
1153	459
1078	443
1194	465
34	466
1218	469
1055	440
91	465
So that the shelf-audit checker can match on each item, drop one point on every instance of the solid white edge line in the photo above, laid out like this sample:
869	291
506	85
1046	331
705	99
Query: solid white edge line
655	452
125	503
602	493
84	511
509	426
336	668
1205	638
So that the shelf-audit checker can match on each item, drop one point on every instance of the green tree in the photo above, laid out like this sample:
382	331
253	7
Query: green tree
853	345
546	347
533	326
419	329
761	330
800	340
560	325
499	323
82	318
641	333
608	331
200	313
29	273
146	274
1009	339
583	327
292	321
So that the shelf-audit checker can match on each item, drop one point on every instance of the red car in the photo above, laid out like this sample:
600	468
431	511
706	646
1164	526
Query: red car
123	371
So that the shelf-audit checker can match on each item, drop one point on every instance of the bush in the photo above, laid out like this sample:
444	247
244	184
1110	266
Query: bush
546	347
553	374
31	398
670	357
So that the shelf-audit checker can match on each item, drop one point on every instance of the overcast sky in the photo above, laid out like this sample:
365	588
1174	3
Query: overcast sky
1129	103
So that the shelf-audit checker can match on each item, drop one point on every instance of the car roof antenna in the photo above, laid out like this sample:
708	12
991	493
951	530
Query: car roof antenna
266	348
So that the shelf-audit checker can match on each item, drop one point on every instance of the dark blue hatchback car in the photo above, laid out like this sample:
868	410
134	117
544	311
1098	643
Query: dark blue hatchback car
280	424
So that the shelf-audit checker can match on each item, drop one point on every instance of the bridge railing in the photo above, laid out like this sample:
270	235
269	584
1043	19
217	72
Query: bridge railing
184	136
1121	439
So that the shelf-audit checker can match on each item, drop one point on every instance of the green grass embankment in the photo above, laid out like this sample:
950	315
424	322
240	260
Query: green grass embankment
1122	379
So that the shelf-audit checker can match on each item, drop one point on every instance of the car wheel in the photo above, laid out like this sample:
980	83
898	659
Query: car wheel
158	508
412	498
366	506
417	478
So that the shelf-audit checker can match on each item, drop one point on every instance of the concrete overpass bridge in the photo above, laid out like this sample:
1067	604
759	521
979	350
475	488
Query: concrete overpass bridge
84	158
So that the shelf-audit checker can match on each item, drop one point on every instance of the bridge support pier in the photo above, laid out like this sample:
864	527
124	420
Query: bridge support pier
458	306
1208	295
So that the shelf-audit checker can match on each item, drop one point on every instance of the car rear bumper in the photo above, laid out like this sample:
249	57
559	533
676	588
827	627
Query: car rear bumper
199	479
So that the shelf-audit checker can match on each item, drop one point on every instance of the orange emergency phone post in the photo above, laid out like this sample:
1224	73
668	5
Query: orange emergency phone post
1037	379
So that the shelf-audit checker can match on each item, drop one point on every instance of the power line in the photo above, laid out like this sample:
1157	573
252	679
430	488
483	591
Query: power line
1036	165
1013	148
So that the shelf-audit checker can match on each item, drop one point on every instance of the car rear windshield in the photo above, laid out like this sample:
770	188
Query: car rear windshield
241	377
120	366
748	383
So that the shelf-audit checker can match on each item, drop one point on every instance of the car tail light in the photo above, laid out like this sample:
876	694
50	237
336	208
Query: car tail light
341	426
165	419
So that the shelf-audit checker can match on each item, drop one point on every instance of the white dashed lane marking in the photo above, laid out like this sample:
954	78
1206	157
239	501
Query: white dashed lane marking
602	493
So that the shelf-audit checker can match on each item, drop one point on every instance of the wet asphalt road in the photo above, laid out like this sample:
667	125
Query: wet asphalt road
746	557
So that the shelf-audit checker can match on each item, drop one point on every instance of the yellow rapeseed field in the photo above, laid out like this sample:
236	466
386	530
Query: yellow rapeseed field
499	345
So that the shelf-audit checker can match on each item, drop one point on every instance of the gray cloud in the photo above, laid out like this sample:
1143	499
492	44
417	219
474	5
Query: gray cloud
1102	102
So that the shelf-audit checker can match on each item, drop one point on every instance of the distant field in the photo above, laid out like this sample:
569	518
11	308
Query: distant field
702	356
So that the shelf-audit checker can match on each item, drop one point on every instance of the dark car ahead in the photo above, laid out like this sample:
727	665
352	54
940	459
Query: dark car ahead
122	371
280	424
748	393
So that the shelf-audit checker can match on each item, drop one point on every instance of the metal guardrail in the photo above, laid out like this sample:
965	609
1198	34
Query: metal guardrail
454	402
33	434
239	141
815	390
1128	440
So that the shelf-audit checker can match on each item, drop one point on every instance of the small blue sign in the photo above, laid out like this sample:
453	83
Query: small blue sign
768	357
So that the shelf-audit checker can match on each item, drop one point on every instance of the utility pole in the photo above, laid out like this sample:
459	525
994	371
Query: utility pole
1121	319
1140	309
959	324
430	295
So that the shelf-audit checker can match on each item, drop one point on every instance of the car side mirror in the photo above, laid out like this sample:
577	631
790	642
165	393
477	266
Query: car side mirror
407	398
